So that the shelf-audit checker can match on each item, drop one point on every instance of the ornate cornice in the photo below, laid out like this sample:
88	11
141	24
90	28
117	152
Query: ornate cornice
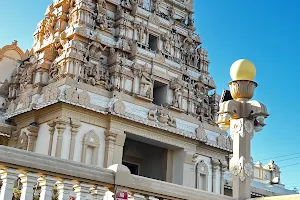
12	46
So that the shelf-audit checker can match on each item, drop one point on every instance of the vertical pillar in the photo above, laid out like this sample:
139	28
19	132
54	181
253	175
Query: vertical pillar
82	191
29	181
153	198
98	193
241	166
51	125
15	137
215	165
61	127
8	177
139	197
110	139
46	183
74	130
64	188
182	161
32	136
188	174
194	171
223	170
118	149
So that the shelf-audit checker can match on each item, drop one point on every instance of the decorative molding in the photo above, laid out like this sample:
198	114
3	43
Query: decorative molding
202	167
13	46
90	139
22	141
201	135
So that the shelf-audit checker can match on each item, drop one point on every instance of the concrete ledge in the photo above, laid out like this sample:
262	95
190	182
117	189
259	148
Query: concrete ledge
172	190
20	159
116	175
285	197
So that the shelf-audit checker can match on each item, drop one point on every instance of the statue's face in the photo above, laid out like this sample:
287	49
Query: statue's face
32	59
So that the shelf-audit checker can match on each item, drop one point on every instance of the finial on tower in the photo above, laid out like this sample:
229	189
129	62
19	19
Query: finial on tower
242	69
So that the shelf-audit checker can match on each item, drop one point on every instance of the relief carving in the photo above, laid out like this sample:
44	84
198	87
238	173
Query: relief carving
163	116
146	82
84	99
71	95
95	75
51	94
119	107
200	133
176	85
22	141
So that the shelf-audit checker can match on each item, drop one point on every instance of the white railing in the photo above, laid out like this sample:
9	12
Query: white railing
30	176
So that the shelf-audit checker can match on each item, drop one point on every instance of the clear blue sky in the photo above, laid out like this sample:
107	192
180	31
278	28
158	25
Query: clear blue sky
265	32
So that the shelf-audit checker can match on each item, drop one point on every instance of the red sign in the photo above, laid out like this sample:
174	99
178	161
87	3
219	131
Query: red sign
121	195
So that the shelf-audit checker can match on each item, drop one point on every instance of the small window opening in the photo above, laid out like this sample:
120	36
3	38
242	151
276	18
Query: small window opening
152	42
160	93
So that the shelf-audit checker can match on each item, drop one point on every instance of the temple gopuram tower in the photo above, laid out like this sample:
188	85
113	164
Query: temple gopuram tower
119	82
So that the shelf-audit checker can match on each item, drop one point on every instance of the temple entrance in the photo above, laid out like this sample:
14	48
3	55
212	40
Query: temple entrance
144	159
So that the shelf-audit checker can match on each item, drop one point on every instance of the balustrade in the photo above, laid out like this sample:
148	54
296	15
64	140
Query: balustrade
44	177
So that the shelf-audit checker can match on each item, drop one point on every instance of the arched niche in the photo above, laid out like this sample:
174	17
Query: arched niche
202	175
90	148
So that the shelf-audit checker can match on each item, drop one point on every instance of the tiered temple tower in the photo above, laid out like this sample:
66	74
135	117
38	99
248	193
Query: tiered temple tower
119	82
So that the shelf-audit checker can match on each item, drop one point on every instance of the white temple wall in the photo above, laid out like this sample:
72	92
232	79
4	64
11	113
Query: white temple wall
42	142
85	128
66	143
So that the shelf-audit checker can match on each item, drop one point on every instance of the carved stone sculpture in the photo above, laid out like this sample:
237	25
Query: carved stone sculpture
51	94
167	44
102	21
151	114
93	50
54	72
146	82
95	75
200	133
163	115
172	121
176	85
28	69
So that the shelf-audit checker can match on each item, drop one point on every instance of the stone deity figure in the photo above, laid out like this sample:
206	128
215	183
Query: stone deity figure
102	21
92	50
101	6
163	115
167	44
54	72
156	5
172	12
27	73
141	31
176	84
146	82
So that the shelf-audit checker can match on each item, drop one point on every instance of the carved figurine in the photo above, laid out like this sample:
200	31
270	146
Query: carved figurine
156	5
166	44
172	121
146	82
27	72
92	50
176	84
102	21
163	115
151	114
141	32
54	72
